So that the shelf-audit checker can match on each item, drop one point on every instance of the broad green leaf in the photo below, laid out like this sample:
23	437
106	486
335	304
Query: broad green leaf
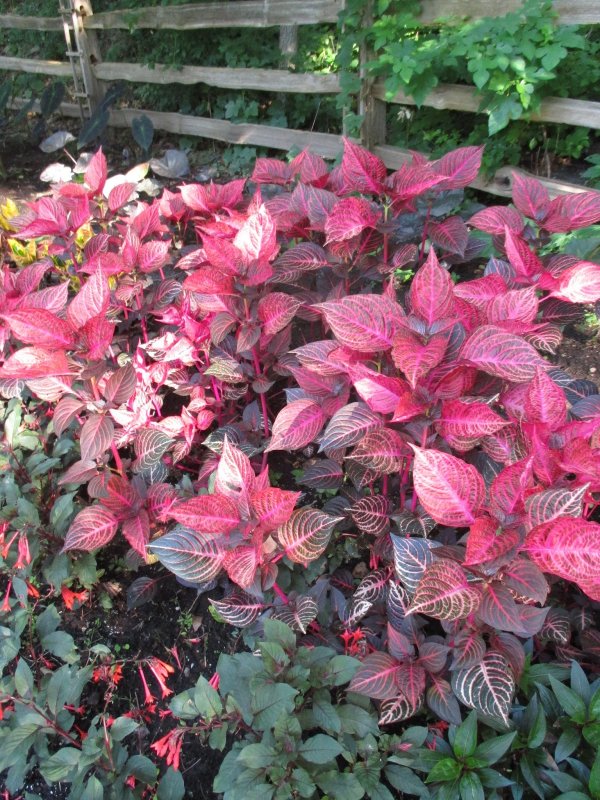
269	702
141	768
122	727
470	787
340	785
171	786
465	737
571	703
405	780
567	743
493	749
257	756
594	782
448	769
320	749
61	764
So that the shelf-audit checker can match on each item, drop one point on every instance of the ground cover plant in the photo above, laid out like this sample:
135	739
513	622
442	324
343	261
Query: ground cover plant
326	400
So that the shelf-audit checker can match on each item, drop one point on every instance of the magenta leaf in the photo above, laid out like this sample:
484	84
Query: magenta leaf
463	424
431	295
450	236
136	531
496	219
42	328
449	489
415	357
530	196
96	172
503	354
273	507
570	212
276	310
397	710
552	503
35	362
350	217
459	167
362	171
207	513
92	528
91	301
579	283
296	425
241	564
365	323
443	592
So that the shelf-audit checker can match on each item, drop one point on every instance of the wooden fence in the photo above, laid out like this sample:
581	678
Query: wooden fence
286	14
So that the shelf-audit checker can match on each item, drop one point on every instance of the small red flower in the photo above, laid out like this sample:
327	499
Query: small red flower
161	672
169	747
71	598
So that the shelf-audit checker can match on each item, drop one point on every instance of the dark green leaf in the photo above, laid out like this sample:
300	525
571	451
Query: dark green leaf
61	764
141	768
470	787
122	727
142	131
567	743
493	749
171	786
257	756
465	737
448	769
269	702
51	98
340	785
405	780
594	782
320	749
571	703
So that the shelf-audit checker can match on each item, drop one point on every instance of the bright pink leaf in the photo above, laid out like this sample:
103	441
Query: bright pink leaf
450	490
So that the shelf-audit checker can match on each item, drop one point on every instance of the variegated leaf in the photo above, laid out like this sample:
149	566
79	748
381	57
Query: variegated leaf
444	593
488	686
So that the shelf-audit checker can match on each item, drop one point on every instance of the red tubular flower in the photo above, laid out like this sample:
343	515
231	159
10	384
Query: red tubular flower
70	598
214	681
161	672
23	554
6	604
169	747
148	696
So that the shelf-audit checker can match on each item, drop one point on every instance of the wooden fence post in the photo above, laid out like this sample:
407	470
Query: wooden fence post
89	51
288	45
373	110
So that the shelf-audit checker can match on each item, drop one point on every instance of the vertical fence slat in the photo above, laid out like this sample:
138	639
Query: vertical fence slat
372	110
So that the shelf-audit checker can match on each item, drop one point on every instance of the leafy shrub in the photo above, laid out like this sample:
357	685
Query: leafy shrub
217	334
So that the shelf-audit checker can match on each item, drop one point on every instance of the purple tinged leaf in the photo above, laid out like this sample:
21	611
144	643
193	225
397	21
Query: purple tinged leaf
502	354
194	557
296	425
443	593
366	323
348	426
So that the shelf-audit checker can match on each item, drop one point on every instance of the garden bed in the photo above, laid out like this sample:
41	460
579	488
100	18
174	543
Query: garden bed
388	479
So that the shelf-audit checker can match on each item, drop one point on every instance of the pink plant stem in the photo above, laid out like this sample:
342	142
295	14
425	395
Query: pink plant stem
424	236
117	458
385	487
281	594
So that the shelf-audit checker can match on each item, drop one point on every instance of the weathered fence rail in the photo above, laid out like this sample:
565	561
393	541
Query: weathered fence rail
287	14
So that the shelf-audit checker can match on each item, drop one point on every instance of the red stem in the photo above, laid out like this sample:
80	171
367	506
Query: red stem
281	594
